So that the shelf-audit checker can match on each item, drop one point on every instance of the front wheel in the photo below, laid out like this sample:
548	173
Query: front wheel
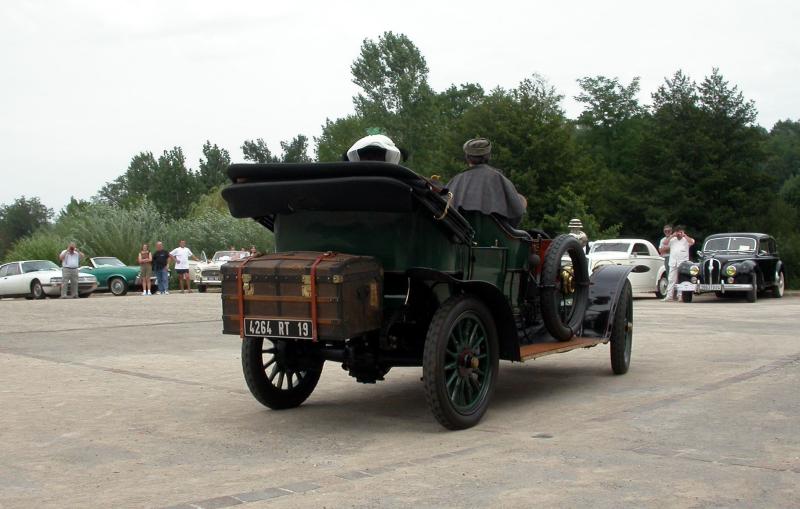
202	288
687	296
460	362
661	287
282	374
118	286
752	294
622	332
37	292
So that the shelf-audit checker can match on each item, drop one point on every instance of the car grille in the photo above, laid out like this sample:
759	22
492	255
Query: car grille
712	270
211	273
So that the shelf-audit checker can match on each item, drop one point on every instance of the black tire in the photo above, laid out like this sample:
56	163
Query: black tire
286	361
752	294
454	373
622	332
37	292
85	295
687	297
563	320
118	286
661	287
780	286
202	288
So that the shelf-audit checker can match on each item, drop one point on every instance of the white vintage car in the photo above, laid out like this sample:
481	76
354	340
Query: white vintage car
208	272
649	274
35	279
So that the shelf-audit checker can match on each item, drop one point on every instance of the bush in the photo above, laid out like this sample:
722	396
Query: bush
44	244
789	249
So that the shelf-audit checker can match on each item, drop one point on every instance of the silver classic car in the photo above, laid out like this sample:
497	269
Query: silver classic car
207	273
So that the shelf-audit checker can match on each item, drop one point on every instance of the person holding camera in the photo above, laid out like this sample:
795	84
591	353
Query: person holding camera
677	246
70	261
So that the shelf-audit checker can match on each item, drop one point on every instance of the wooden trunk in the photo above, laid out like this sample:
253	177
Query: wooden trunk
275	296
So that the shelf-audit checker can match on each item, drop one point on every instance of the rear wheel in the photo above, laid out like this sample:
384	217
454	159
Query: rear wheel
118	286
780	286
282	374
661	287
460	362
37	292
687	296
565	287
622	332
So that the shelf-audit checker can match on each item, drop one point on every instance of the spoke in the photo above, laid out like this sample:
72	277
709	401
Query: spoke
280	380
478	371
452	379
474	381
468	389
481	356
451	353
269	363
274	372
455	391
472	335
289	380
452	365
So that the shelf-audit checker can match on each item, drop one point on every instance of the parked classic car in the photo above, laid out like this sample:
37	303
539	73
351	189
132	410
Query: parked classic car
113	275
36	279
374	269
649	274
207	273
734	264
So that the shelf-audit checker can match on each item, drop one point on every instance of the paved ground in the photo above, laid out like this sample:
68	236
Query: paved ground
134	401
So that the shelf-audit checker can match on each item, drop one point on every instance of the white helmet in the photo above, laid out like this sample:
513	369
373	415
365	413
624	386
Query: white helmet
374	144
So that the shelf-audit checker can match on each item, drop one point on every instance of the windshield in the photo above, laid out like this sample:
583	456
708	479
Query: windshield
600	247
109	261
38	265
225	256
730	244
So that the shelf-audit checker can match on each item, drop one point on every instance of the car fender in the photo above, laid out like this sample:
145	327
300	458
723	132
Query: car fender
494	299
605	288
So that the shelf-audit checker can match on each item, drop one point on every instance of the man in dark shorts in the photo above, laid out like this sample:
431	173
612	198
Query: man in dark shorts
181	254
160	268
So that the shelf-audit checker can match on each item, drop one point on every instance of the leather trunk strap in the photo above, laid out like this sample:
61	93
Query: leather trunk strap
314	331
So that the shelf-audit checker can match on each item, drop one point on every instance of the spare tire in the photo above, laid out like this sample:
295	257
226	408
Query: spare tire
564	287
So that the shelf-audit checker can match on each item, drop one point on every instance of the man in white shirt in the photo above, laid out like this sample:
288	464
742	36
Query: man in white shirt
182	255
678	249
70	261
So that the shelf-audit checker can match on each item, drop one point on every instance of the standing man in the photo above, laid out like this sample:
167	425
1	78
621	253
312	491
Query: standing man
70	261
485	189
663	245
160	266
182	255
678	248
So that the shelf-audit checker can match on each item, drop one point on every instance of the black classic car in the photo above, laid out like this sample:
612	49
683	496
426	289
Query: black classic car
734	264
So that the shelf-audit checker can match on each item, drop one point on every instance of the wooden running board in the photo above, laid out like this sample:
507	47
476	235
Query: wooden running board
527	352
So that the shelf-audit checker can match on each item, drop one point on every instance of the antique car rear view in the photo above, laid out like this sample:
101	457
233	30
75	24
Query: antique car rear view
734	264
374	269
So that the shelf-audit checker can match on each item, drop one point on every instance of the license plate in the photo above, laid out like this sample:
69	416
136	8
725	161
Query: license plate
277	329
212	278
711	288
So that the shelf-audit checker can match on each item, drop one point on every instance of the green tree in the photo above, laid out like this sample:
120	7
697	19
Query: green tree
175	187
296	150
782	149
21	218
339	135
257	151
213	167
134	185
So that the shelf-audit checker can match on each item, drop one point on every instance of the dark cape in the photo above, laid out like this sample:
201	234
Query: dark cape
484	189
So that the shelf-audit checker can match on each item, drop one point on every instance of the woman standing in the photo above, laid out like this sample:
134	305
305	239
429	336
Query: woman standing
146	268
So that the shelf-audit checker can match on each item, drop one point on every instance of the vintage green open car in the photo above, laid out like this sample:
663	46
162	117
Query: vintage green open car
374	269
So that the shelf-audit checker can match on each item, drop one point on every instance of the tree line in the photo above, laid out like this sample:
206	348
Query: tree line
693	155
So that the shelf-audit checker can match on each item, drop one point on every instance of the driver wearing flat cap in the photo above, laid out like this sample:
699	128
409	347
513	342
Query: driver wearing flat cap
485	189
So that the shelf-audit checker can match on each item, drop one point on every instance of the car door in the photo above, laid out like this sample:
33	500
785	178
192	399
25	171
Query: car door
767	260
15	281
643	279
5	285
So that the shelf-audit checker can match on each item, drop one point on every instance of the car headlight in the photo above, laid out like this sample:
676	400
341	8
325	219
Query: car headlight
694	270
730	270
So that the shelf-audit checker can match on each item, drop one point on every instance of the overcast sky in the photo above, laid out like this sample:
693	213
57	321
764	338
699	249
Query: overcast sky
85	85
